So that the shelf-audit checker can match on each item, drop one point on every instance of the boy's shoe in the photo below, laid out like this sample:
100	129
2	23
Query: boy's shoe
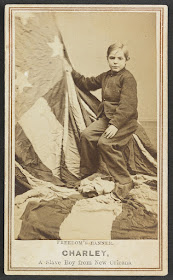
122	190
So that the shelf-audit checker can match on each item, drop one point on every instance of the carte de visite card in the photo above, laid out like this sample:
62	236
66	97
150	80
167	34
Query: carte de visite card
86	140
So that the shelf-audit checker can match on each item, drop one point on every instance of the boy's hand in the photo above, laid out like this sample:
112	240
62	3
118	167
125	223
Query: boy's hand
110	131
67	66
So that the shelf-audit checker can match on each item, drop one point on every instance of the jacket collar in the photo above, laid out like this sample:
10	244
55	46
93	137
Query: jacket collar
113	73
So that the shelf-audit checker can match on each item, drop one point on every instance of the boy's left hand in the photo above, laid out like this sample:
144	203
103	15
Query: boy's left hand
110	131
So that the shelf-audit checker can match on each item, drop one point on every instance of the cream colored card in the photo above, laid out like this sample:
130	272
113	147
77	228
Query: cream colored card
51	229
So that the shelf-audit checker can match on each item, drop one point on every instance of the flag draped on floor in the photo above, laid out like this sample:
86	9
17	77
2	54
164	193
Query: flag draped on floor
50	114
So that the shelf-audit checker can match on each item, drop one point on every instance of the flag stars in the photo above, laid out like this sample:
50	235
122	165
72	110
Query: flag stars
21	80
57	47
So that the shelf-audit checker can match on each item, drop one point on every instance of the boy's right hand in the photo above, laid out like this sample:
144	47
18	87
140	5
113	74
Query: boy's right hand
67	66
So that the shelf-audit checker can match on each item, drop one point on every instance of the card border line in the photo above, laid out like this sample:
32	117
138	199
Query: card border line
10	136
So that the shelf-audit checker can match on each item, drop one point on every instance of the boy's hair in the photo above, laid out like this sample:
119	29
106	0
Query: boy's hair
116	46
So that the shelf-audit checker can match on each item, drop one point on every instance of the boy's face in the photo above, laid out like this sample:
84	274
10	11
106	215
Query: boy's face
116	60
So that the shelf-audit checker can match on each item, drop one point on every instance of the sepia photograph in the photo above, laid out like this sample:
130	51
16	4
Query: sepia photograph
86	121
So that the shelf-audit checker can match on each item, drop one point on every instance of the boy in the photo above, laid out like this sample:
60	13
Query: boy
116	120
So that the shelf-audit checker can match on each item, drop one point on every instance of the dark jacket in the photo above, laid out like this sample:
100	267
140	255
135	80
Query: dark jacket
119	94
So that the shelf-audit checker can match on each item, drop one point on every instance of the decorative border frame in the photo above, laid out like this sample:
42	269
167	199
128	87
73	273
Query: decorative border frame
161	12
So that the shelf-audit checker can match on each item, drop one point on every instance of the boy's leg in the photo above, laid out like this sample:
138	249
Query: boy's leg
89	150
111	152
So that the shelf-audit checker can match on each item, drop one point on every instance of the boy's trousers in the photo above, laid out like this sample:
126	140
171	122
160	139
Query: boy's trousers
93	143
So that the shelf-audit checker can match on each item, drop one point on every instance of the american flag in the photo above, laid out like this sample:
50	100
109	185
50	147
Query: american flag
50	112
